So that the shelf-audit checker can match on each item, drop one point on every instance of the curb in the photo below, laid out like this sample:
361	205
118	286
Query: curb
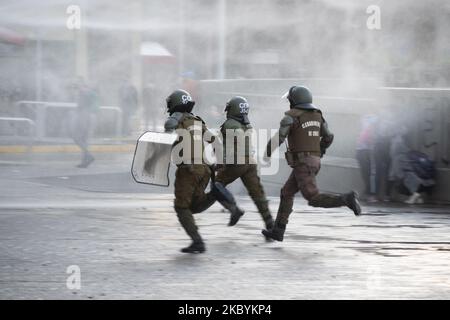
70	148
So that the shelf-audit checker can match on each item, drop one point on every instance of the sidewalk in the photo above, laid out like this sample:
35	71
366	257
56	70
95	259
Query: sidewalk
67	145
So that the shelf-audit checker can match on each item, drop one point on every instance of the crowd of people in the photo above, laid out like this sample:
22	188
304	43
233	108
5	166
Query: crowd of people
390	168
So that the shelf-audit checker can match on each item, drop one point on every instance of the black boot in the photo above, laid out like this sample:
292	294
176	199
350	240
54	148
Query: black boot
188	223
276	233
87	160
264	211
236	214
269	223
226	199
351	201
195	247
269	226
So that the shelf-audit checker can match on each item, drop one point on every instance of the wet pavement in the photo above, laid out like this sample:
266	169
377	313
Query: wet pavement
125	240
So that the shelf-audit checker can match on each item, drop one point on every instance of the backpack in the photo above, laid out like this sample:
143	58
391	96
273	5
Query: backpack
422	165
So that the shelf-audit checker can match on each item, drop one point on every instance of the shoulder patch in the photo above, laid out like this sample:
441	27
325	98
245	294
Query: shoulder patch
286	121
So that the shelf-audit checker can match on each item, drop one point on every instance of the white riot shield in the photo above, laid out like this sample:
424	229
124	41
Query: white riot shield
151	160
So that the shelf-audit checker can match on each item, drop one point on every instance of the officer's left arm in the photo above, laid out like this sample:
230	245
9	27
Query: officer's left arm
327	137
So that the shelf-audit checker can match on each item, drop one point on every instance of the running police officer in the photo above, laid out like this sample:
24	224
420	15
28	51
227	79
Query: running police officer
193	174
238	161
308	138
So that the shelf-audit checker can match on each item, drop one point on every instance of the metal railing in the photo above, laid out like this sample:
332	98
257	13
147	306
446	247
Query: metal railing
12	121
38	111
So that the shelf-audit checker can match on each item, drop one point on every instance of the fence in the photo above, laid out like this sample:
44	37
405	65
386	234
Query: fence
18	129
53	119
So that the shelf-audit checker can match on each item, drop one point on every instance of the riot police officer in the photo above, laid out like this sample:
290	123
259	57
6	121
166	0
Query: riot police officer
237	157
193	174
308	138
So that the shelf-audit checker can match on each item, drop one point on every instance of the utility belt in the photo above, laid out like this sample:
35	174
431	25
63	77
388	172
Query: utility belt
297	158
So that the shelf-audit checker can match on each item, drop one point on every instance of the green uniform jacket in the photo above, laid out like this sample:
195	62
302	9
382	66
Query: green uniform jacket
237	144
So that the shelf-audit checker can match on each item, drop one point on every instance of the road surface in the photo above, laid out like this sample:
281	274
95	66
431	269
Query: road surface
124	240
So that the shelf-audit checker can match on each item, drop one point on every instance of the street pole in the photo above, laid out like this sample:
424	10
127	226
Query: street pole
38	79
136	60
181	38
222	8
81	45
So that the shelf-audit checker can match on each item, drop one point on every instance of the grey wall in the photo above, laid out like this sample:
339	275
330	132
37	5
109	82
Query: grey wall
425	112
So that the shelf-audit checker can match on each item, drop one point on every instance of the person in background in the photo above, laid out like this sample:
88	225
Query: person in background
15	94
365	154
84	121
151	109
410	170
128	103
381	149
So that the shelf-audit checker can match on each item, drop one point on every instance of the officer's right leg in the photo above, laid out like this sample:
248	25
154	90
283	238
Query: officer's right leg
201	200
325	200
184	189
287	194
306	179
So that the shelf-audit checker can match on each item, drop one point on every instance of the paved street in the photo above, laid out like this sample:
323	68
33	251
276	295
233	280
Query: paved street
125	238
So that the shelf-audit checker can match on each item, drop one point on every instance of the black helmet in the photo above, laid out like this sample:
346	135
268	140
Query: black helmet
300	97
238	107
179	101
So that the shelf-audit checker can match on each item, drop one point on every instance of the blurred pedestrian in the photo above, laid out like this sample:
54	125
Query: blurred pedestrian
128	103
15	94
365	155
410	170
149	106
84	121
381	150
